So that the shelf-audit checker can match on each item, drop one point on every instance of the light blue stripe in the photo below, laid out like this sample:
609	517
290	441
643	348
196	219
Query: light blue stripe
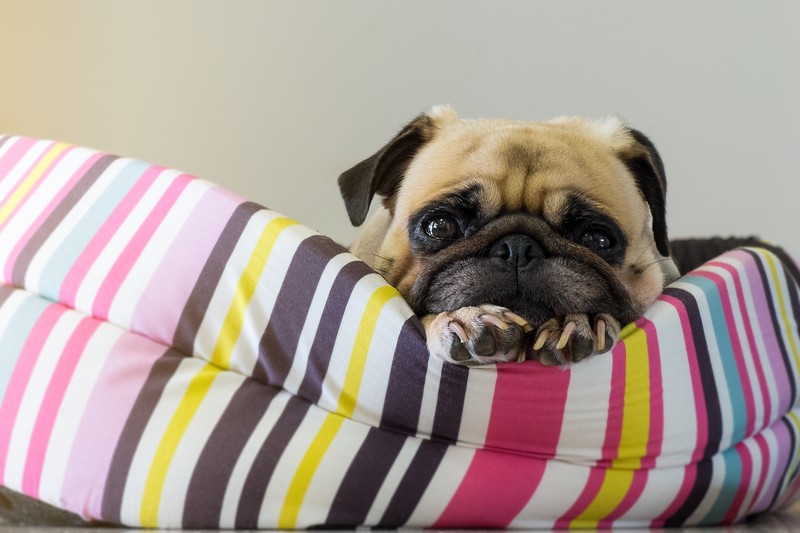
74	244
723	337
727	492
16	333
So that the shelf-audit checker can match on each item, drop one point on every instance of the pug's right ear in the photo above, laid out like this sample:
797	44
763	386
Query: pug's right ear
383	172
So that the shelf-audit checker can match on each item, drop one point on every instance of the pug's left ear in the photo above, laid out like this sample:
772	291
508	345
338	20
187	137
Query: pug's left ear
645	164
382	172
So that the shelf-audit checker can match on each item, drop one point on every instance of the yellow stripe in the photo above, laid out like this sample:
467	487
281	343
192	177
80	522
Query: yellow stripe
616	484
344	409
787	328
234	319
30	180
636	415
634	433
192	398
795	423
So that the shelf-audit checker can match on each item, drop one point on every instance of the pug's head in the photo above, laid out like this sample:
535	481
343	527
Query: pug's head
542	218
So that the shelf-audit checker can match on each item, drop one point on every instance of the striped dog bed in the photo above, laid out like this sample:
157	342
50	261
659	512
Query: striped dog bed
174	356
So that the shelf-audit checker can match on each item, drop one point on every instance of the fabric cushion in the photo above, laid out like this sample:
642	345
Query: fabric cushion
172	355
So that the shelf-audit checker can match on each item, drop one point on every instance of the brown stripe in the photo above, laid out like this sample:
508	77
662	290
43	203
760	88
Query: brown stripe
212	473
415	481
403	401
197	304
364	478
54	219
279	342
146	401
260	474
319	356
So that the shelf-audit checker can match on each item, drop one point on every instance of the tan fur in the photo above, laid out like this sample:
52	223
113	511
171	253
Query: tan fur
525	167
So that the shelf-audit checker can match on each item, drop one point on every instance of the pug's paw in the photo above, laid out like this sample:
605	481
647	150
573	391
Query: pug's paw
477	335
573	338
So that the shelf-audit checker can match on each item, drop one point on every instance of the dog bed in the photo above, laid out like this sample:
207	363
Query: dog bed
174	356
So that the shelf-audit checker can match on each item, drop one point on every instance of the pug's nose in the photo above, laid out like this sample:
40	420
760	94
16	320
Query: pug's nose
516	249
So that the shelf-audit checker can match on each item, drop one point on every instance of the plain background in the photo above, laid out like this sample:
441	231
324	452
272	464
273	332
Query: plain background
275	99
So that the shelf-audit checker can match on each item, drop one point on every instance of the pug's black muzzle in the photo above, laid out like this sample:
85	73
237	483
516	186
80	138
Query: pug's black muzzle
519	262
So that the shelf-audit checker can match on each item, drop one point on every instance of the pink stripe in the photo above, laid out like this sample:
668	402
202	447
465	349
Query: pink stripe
530	392
763	450
502	482
38	182
697	386
689	478
76	275
45	214
9	410
772	346
114	394
780	461
736	346
613	436
13	156
765	399
735	511
126	260
51	403
160	307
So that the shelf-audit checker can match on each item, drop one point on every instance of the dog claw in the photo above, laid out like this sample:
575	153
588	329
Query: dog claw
601	335
458	329
493	320
566	333
518	320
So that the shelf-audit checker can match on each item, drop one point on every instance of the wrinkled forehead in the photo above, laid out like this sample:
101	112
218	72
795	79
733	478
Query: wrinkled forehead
532	167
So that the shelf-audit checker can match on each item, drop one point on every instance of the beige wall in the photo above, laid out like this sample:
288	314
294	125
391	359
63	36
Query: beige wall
275	99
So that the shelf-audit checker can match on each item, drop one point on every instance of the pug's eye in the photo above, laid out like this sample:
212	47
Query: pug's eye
596	240
442	228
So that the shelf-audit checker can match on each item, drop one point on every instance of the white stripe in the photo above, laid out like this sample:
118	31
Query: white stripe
31	402
442	487
392	480
345	340
300	361
679	439
718	472
14	177
244	356
191	445
546	506
377	368
111	251
60	233
287	466
715	358
156	428
244	464
7	145
40	198
209	330
583	429
430	396
76	398
149	261
477	410
329	474
10	307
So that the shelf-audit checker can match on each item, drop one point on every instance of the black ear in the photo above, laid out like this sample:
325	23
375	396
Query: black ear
648	169
382	172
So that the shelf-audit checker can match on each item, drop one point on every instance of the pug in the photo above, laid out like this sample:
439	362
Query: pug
515	240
